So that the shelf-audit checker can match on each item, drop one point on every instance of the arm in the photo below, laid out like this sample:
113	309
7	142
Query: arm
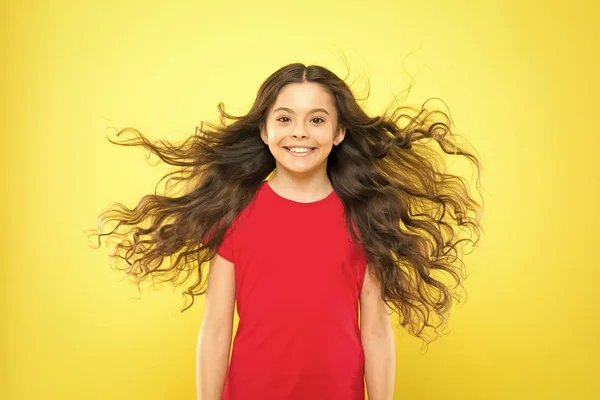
214	339
377	338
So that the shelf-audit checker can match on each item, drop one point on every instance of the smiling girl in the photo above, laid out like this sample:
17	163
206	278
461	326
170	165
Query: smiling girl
357	221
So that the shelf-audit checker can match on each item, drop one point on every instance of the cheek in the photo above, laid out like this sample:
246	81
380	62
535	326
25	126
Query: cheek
325	140
276	135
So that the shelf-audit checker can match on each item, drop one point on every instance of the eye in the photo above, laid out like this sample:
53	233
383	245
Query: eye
321	120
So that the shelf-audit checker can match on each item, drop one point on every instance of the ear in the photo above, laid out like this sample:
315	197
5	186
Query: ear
341	133
263	133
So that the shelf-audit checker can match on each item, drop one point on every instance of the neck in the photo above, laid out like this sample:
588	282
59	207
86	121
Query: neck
301	188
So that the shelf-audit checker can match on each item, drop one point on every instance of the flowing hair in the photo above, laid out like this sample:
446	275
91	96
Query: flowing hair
409	213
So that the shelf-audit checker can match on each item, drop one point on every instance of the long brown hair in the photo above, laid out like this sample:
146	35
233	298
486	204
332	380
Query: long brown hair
408	211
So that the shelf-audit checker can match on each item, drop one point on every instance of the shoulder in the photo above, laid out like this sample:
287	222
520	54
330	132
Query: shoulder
247	214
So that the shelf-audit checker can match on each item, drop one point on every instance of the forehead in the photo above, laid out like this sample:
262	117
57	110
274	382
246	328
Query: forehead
305	96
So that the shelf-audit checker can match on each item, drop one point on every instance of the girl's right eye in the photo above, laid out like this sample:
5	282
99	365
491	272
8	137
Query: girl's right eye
279	119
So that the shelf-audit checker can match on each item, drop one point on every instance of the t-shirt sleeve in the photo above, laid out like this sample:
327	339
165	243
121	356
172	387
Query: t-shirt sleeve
226	249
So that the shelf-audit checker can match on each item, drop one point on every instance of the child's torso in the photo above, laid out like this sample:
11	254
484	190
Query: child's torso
298	281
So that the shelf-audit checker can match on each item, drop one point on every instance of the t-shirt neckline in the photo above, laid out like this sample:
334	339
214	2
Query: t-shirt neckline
330	196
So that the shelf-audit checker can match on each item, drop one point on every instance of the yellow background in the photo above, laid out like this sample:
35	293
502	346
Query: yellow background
520	78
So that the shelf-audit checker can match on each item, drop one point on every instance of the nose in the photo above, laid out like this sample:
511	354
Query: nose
297	135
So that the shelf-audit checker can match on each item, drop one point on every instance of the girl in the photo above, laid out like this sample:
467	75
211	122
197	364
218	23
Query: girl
355	221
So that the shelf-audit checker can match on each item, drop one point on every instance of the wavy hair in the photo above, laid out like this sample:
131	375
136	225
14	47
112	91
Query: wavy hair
408	211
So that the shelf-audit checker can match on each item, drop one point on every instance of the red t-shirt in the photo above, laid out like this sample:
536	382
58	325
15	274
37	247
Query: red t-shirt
298	278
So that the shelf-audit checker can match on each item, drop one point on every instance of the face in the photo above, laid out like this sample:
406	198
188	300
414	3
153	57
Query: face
301	128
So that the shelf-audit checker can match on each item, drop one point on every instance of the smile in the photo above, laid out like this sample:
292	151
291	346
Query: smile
300	152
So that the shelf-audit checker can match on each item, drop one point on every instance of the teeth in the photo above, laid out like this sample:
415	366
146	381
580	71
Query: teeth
299	150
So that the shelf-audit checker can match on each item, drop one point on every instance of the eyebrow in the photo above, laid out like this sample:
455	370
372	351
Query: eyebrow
292	111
